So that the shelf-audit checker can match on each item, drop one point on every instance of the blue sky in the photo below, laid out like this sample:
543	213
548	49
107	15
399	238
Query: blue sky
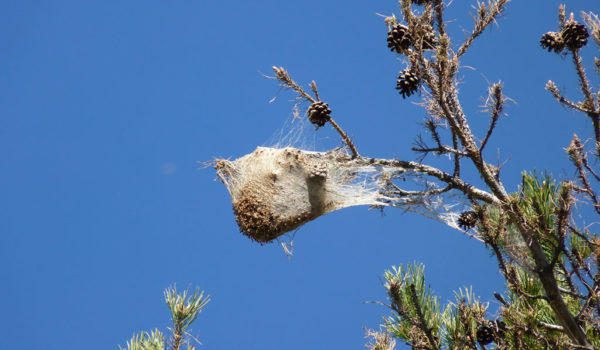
107	106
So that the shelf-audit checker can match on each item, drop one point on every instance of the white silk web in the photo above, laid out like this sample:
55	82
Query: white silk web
276	190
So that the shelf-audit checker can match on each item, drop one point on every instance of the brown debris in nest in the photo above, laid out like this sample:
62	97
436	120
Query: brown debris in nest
275	191
257	221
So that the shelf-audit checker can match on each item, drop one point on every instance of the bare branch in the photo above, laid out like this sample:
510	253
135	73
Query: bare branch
345	137
455	182
440	150
552	327
439	12
594	114
484	18
577	154
456	156
286	81
495	104
551	87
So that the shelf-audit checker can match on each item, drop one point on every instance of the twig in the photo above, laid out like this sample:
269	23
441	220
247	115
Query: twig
585	88
582	236
566	291
345	137
490	15
439	12
313	86
286	80
577	154
440	150
496	107
568	275
584	84
588	301
584	160
551	87
456	157
430	124
455	182
552	327
404	193
423	324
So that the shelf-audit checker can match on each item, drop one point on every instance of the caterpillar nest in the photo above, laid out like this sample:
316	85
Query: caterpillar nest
276	190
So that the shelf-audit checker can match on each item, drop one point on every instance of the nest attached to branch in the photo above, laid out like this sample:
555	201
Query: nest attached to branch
276	190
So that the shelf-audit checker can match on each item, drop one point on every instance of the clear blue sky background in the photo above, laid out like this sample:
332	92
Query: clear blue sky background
106	106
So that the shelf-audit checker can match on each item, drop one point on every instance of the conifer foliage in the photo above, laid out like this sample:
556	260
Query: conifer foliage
549	260
185	308
547	255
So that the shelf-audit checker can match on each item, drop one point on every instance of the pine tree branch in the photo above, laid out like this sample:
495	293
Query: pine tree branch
456	157
543	268
404	193
546	275
552	327
452	112
568	292
585	89
455	182
485	18
577	155
422	322
495	107
568	275
584	237
439	12
593	297
286	81
440	150
345	137
551	87
583	81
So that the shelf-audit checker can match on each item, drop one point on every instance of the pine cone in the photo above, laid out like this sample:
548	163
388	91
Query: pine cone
575	35
407	83
485	334
552	42
319	113
467	219
399	38
420	2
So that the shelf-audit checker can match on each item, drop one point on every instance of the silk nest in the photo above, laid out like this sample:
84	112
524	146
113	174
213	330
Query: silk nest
277	190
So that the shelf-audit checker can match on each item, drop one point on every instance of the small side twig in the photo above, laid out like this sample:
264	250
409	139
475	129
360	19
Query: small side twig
484	18
424	327
587	93
345	137
456	156
495	106
287	82
577	155
551	87
440	150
